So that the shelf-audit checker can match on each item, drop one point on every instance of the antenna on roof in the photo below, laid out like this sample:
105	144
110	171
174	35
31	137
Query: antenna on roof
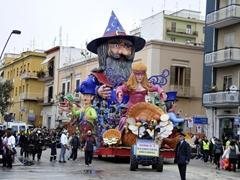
67	40
60	36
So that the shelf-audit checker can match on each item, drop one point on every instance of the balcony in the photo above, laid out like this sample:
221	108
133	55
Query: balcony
224	17
77	96
28	75
48	75
183	91
224	57
46	101
221	99
29	96
182	32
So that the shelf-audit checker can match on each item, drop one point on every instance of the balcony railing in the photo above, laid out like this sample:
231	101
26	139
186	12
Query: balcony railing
221	98
224	17
45	100
183	90
225	57
182	32
28	75
48	76
30	96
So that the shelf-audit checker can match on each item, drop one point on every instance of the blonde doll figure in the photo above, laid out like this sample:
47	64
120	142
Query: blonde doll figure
137	87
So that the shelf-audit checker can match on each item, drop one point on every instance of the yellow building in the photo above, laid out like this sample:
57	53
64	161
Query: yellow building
24	70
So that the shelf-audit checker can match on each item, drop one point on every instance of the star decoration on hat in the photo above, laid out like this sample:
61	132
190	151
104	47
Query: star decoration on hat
113	24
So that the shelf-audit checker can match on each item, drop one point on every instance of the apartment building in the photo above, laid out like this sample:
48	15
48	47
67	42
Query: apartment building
222	67
65	67
184	26
24	69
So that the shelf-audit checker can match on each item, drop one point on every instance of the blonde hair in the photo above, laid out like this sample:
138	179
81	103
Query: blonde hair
132	81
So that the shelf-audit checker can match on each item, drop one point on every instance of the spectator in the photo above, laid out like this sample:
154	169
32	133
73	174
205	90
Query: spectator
64	143
75	144
8	142
212	88
233	155
206	147
217	152
88	143
53	146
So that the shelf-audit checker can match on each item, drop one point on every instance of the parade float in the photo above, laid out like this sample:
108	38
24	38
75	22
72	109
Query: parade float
118	79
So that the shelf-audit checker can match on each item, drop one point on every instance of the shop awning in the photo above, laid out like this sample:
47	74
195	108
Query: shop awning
46	61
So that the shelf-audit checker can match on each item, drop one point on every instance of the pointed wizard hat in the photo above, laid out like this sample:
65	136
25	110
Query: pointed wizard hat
115	30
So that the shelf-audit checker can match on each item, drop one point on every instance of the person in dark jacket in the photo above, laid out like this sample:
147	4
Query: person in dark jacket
53	146
39	144
75	144
88	144
217	152
182	156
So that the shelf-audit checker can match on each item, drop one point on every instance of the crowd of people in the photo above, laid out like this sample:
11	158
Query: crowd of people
224	153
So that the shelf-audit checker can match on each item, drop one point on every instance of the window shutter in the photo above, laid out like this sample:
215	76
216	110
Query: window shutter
187	77
172	75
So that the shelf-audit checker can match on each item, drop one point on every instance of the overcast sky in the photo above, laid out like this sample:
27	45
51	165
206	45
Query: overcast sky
40	21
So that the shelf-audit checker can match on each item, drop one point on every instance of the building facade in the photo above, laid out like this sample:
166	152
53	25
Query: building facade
222	67
24	70
184	26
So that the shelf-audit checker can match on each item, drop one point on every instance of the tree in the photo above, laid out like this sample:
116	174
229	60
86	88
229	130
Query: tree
5	95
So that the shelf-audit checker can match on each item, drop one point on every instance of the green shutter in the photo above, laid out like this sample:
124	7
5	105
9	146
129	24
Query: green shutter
172	75
187	77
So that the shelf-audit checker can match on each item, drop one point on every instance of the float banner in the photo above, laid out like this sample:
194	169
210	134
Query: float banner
147	147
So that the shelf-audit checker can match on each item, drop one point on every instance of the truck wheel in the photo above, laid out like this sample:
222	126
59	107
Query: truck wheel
133	162
160	164
154	166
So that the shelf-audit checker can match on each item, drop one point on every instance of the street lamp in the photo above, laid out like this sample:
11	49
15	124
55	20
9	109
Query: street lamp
13	32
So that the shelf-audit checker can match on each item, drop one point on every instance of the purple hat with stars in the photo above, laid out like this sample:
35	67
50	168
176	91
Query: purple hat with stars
115	30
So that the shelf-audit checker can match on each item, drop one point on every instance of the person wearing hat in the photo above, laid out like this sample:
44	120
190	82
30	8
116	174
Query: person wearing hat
88	144
171	105
87	114
182	155
64	142
115	50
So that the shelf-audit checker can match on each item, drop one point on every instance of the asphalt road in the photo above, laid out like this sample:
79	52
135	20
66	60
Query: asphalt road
110	168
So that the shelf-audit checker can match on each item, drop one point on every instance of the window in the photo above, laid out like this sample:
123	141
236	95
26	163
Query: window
16	91
66	85
180	76
173	39
227	81
203	29
63	85
173	27
188	29
229	40
78	80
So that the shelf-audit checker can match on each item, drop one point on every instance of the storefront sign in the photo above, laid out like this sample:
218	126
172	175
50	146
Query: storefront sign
238	132
147	148
199	119
237	120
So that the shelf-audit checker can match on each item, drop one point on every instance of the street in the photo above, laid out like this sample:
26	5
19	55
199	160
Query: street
110	168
